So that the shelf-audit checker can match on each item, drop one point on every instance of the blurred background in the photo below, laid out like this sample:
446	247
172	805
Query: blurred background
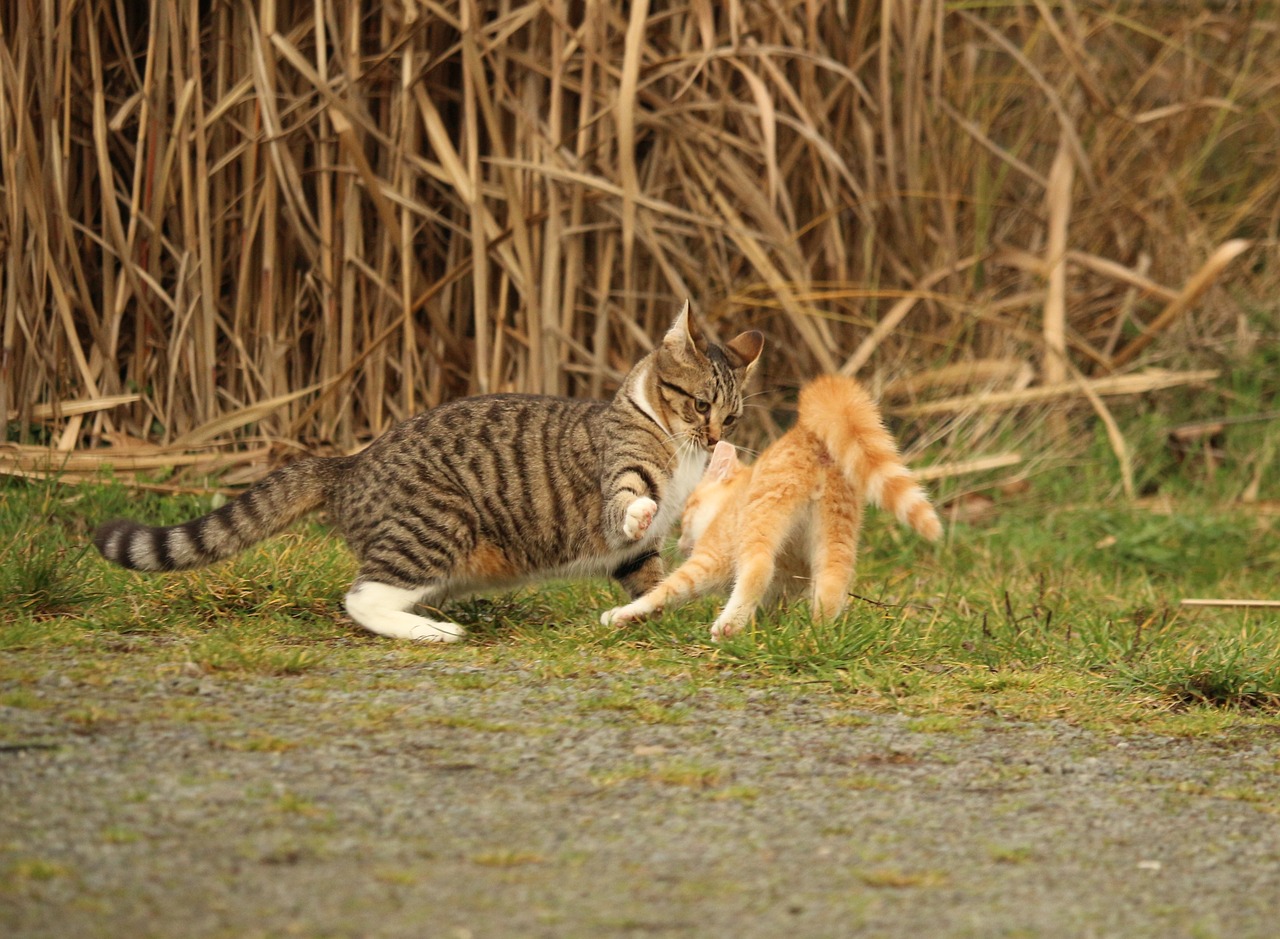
249	228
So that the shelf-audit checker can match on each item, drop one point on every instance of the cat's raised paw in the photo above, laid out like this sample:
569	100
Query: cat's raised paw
639	517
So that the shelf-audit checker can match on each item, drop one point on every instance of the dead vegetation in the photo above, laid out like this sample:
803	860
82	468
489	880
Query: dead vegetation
282	223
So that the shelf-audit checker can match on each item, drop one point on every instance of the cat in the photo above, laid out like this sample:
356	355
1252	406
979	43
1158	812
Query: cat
796	511
487	491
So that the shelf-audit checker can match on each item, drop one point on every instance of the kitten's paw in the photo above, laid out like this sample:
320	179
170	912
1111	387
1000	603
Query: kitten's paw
632	612
619	616
724	628
639	517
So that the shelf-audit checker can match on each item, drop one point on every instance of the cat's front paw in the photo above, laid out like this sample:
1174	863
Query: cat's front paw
724	627
639	517
620	615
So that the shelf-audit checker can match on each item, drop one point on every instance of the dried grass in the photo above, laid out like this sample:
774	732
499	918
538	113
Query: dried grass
297	222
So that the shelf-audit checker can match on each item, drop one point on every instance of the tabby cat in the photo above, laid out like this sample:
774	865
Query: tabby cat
797	511
487	491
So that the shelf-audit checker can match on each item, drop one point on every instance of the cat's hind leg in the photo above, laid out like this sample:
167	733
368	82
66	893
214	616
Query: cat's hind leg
757	562
385	609
640	574
768	519
833	550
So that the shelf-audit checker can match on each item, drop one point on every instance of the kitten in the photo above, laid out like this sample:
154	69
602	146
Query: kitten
796	511
487	491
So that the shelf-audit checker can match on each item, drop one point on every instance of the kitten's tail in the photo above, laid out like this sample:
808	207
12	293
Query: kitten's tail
840	413
263	510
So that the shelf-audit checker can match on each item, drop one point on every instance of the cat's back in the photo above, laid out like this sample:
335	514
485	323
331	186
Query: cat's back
795	462
489	466
497	424
493	442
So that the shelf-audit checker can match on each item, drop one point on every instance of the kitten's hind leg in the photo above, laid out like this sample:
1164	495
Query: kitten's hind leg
770	519
834	552
384	609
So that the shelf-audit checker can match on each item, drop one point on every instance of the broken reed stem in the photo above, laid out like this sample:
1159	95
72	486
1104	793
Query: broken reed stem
1201	281
1152	380
966	467
1240	604
1058	203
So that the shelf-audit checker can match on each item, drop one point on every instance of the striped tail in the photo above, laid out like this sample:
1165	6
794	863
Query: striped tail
263	510
843	416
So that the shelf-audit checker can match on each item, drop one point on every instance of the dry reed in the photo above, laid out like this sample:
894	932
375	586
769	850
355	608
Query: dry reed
228	221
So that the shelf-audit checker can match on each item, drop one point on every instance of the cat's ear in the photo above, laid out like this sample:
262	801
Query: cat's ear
745	348
685	335
723	462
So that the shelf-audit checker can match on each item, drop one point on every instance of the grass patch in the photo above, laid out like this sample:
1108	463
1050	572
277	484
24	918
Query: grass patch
1012	854
1052	607
896	879
789	644
1233	673
505	857
240	651
644	709
28	871
683	773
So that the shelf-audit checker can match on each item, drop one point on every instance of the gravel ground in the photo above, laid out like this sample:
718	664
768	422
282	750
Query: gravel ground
418	802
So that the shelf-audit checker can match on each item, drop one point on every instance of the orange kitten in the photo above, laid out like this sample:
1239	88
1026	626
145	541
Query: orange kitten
797	511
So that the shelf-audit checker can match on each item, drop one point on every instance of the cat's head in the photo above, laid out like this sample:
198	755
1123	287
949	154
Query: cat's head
709	496
698	386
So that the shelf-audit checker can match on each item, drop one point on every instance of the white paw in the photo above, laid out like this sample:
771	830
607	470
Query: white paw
434	631
621	615
639	517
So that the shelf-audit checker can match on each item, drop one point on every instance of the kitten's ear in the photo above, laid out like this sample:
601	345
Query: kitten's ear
745	348
684	334
724	461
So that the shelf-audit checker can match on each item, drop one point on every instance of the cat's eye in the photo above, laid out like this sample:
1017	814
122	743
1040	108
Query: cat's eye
702	407
730	419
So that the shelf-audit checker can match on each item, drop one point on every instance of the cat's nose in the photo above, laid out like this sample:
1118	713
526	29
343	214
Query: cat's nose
712	440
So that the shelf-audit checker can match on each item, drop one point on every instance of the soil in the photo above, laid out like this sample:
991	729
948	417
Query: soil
438	801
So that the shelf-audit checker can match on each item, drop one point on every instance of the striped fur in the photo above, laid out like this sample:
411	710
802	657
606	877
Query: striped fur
488	491
793	516
263	510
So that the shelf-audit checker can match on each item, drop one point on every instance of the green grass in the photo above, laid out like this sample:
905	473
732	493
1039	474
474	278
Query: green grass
1061	604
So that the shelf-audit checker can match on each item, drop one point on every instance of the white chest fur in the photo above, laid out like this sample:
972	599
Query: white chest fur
688	471
693	462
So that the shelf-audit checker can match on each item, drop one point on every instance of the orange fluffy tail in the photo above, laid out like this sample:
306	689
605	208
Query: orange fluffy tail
842	415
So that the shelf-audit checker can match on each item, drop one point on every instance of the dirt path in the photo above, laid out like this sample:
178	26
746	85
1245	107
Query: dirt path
437	801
